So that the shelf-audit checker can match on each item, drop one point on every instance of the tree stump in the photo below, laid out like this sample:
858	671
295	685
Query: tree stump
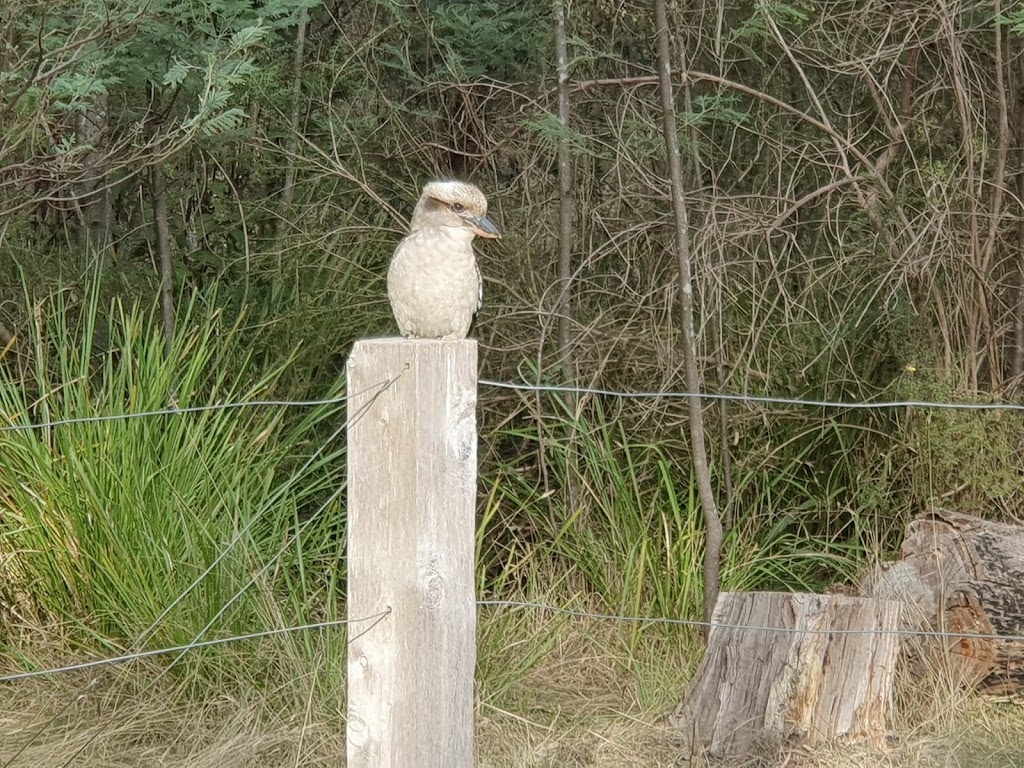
792	669
965	576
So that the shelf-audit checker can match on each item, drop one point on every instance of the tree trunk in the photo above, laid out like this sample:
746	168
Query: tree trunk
965	576
825	675
1017	359
292	142
565	197
995	205
713	521
1017	356
565	249
158	190
724	422
94	200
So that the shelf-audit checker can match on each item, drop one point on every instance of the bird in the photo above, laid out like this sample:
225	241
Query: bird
434	283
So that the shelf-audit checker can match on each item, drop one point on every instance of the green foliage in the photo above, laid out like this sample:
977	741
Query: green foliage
216	80
1014	19
973	458
718	107
196	35
754	30
783	14
68	45
635	541
77	91
550	129
467	40
488	38
111	524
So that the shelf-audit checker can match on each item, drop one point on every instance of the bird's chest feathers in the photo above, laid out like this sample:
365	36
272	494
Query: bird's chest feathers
440	263
442	248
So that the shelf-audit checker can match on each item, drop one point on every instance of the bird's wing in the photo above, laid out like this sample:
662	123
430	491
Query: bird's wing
480	286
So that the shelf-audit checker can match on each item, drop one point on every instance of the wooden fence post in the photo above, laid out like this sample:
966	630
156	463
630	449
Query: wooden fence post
412	472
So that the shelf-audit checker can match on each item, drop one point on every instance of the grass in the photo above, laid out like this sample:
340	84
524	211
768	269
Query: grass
137	533
586	701
125	532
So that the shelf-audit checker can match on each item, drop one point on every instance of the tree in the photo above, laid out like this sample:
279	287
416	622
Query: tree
699	454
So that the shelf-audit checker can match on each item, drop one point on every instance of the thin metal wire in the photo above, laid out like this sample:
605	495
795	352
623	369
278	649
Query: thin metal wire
525	387
175	412
187	647
753	627
574	613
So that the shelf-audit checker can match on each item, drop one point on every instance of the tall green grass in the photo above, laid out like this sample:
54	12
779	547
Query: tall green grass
635	541
107	526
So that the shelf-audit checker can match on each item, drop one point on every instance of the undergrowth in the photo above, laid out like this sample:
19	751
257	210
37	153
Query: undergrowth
134	533
146	531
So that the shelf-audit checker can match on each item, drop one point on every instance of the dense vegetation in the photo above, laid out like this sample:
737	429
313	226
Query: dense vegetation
198	202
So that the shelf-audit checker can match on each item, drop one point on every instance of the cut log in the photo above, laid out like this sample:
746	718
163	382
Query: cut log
965	576
792	669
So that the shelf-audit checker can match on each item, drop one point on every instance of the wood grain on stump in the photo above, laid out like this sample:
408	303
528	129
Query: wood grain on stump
791	669
961	574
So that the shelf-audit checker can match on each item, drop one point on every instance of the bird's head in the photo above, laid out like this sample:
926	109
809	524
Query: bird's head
454	204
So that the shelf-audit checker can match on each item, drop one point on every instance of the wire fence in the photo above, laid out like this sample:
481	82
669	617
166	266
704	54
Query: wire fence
379	389
574	613
199	641
172	411
193	646
759	399
540	388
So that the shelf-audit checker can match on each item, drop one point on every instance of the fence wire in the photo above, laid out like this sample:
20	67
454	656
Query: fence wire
745	398
579	614
540	388
112	660
574	613
173	411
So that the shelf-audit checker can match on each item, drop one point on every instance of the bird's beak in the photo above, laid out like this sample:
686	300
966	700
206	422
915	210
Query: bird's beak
484	227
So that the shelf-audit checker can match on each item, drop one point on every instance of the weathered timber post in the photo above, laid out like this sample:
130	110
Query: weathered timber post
412	472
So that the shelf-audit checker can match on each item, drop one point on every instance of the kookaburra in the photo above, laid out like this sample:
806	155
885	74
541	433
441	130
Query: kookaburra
434	283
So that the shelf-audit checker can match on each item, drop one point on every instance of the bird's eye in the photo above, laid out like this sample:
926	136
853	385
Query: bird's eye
458	207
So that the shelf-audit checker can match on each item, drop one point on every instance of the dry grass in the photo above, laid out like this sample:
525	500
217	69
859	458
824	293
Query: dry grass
161	729
587	701
596	698
985	735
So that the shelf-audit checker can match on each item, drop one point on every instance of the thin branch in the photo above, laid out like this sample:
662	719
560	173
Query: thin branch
712	519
